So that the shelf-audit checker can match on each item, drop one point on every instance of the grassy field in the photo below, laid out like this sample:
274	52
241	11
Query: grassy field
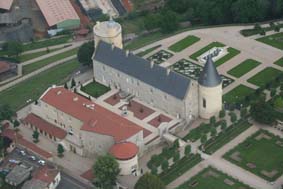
243	68
205	49
211	178
95	89
184	43
230	133
143	53
41	63
264	77
237	94
179	168
279	62
231	53
275	40
26	57
265	153
46	43
17	95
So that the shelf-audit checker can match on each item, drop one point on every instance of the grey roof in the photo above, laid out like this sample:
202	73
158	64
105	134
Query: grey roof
34	184
18	175
173	83
209	77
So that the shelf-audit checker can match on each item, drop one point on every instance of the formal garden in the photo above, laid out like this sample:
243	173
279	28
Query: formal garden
265	76
192	70
172	163
184	43
243	68
211	178
261	154
237	94
95	89
279	62
275	40
160	57
147	51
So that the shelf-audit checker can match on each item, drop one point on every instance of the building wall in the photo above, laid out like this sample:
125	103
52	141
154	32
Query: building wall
54	184
146	93
115	40
127	166
212	97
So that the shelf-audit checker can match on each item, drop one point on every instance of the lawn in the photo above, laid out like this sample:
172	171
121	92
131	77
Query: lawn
41	63
143	53
95	89
264	77
243	68
32	88
261	152
275	40
211	178
30	56
237	94
279	62
205	49
231	53
184	43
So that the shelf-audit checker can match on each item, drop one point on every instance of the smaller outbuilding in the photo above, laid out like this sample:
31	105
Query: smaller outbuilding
18	175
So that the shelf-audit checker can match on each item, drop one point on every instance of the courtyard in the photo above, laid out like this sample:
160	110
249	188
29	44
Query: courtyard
211	178
95	89
261	154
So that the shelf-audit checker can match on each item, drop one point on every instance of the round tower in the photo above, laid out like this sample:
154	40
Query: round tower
108	31
210	90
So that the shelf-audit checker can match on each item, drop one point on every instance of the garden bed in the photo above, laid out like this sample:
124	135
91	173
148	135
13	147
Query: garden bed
184	43
95	89
243	68
160	57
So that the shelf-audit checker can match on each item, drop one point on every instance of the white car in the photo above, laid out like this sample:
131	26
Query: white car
33	158
41	162
14	161
23	152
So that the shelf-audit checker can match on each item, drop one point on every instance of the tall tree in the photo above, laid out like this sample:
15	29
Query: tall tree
168	21
85	53
149	181
13	48
106	169
263	113
60	150
35	136
6	112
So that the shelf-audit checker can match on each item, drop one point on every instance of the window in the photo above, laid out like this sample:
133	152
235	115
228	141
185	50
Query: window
203	103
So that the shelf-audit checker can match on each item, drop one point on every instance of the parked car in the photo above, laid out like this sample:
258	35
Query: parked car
22	152
33	158
14	161
41	162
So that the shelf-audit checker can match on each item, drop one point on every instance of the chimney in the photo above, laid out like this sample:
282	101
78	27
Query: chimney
151	64
168	70
127	53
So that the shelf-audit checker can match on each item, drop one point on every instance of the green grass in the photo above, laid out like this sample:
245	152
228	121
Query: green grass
143	53
32	88
184	43
243	68
46	43
275	40
179	168
279	62
223	138
231	53
206	180
265	154
95	89
237	94
205	49
41	63
30	56
265	76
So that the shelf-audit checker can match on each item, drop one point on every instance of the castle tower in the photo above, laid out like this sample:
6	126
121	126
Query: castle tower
108	31
210	90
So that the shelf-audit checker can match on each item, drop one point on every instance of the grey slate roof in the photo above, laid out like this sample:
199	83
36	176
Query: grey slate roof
209	77
173	84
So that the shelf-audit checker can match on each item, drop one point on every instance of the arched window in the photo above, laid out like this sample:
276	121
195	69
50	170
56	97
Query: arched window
203	103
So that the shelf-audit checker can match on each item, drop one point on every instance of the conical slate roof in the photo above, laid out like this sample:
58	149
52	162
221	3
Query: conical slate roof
209	77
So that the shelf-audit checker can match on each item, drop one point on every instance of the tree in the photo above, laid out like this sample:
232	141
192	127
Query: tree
6	112
213	132
60	150
176	144
66	86
106	169
212	120
263	113
13	48
152	21
222	113
35	136
233	117
149	181
223	125
203	139
85	53
164	165
187	150
272	92
16	124
176	156
73	83
168	21
243	112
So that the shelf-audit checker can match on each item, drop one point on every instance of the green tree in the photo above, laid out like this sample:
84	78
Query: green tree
164	165
263	113
243	112
233	117
151	21
106	169
213	132
6	112
60	150
13	48
168	21
73	83
222	113
212	120
203	139
85	53
149	181
176	156
223	125
35	136
187	150
176	144
16	124
66	86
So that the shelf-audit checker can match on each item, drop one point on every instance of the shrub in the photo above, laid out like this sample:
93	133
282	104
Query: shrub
164	165
222	113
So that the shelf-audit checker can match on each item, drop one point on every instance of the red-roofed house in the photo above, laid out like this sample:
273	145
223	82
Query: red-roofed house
84	127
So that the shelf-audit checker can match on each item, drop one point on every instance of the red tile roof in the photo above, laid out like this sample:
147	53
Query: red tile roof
6	4
95	118
45	174
124	151
158	120
45	126
56	11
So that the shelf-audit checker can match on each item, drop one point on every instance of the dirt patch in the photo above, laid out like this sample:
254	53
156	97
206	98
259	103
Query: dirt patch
236	156
263	136
269	174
